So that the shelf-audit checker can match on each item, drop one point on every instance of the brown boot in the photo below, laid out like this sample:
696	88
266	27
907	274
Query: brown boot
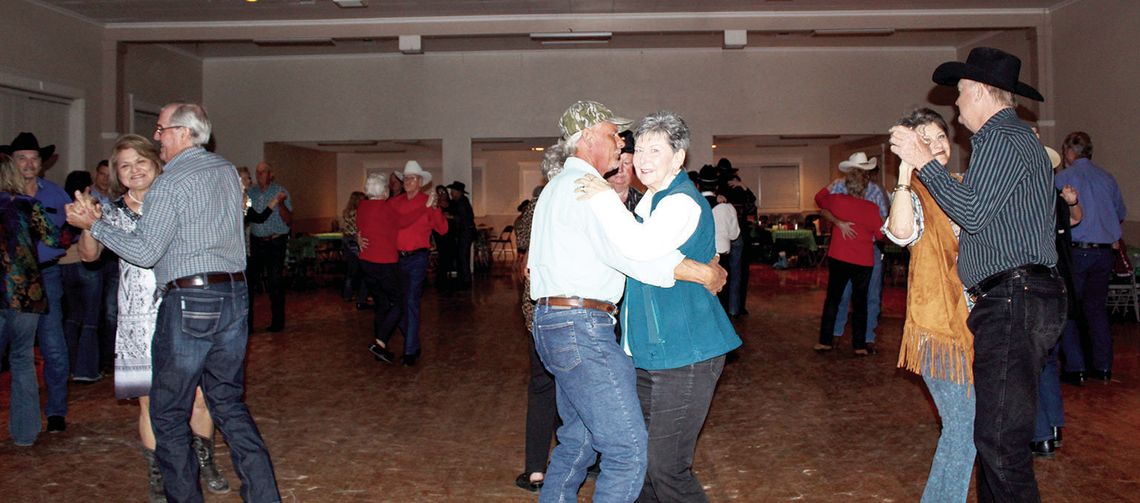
156	494
207	468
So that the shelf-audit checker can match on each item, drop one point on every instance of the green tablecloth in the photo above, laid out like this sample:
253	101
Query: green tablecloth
802	238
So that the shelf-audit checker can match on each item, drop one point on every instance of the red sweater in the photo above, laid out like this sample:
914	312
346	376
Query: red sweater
417	234
377	222
868	226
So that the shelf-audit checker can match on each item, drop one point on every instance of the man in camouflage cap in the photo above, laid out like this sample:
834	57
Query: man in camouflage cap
577	277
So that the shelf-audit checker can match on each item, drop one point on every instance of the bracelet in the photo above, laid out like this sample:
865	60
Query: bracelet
1074	204
902	186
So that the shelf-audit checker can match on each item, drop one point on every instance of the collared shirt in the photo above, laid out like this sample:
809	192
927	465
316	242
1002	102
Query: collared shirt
727	226
1004	203
259	200
53	198
647	238
23	222
192	220
860	249
873	193
1101	205
570	254
417	221
633	196
104	199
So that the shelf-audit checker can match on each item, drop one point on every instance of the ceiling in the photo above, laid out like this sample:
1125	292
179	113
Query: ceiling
236	28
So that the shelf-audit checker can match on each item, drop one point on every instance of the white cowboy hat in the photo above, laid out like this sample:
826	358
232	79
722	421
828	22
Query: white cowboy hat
1054	157
858	160
412	168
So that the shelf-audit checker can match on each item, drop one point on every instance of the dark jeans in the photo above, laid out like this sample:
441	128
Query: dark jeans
354	284
541	414
18	335
413	273
383	283
1050	407
268	262
463	257
53	344
201	340
83	291
675	403
1014	325
839	273
1092	270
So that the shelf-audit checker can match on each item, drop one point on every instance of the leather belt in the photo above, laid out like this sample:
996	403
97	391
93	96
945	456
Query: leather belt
599	305
47	264
208	278
1078	244
412	252
996	279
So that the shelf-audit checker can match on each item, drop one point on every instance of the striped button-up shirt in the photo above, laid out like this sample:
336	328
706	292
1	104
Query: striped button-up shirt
1004	204
192	220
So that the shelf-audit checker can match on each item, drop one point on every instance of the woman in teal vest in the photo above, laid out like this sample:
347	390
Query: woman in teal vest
677	336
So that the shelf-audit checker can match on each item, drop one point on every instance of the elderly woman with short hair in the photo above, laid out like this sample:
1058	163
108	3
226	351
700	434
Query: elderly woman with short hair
678	336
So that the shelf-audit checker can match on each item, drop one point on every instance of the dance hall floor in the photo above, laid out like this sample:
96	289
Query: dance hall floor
786	424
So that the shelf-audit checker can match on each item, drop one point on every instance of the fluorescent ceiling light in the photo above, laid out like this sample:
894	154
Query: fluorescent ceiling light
809	137
308	42
349	4
853	31
573	35
347	143
573	42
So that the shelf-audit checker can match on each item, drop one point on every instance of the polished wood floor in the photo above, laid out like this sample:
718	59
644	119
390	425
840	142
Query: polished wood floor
786	425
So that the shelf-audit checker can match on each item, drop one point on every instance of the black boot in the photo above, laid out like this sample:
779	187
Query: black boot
207	468
156	493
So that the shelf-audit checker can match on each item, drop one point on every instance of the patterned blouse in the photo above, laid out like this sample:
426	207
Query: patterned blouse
23	222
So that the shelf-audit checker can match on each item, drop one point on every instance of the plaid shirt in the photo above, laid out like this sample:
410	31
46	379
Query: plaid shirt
192	220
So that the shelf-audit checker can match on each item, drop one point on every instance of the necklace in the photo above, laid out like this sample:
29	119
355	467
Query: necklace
132	196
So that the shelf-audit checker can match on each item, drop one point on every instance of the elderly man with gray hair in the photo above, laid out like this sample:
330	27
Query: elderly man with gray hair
191	233
577	276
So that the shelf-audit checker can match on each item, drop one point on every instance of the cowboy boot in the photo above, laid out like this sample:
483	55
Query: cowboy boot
156	493
207	468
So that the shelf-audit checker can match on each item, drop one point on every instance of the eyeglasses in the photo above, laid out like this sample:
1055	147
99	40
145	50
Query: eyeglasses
159	128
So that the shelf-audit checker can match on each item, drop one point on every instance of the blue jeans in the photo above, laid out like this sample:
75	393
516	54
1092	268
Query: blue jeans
1050	408
949	478
1092	270
413	273
675	403
83	291
1014	325
874	300
597	400
110	322
53	344
201	340
18	332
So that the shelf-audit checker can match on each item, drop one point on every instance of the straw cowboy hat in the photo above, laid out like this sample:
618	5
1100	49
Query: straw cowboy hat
412	168
858	160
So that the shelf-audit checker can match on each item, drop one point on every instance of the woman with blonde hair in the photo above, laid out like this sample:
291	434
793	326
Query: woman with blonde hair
135	165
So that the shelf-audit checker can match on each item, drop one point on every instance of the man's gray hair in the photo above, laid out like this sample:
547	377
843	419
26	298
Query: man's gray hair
376	185
570	145
553	158
193	117
666	123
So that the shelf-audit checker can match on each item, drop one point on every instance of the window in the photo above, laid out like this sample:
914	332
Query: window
778	187
47	117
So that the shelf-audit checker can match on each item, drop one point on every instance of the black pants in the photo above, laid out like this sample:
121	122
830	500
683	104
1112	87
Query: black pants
383	283
268	262
838	274
463	257
1014	324
541	413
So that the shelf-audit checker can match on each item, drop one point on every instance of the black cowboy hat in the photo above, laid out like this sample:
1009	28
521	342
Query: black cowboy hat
457	185
988	66
28	141
709	174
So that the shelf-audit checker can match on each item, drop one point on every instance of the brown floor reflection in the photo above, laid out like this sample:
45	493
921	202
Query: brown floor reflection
786	424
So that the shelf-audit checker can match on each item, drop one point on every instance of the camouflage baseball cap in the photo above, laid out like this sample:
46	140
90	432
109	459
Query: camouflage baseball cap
584	114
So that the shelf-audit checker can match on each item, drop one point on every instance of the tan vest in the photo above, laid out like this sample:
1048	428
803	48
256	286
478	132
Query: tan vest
935	335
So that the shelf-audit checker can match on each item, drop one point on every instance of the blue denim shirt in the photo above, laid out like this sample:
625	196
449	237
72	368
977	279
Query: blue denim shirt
1101	204
53	198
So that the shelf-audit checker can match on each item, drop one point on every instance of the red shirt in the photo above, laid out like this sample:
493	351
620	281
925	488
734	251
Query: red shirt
417	234
868	227
377	222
